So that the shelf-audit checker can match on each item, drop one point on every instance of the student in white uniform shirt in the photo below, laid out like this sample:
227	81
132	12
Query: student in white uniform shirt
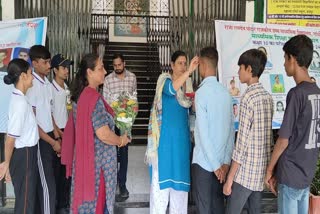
60	107
40	97
22	138
60	91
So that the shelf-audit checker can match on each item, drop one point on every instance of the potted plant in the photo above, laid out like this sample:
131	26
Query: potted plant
314	200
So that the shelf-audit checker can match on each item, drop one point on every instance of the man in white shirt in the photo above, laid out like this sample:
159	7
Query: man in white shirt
40	98
60	106
60	91
120	80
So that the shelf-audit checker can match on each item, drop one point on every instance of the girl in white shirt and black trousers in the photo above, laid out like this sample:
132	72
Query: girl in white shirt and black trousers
21	141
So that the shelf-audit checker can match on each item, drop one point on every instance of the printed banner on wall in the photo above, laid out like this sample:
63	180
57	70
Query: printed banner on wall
16	39
293	12
233	38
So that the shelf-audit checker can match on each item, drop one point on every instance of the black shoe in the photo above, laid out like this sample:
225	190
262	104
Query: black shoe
124	193
120	199
63	211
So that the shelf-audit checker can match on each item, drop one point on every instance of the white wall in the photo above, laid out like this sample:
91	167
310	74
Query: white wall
7	9
250	11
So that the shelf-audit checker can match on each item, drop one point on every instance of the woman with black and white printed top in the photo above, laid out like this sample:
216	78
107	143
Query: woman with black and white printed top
22	138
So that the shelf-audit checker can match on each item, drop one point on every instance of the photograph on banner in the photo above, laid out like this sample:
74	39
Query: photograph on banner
234	38
20	35
296	13
5	57
315	64
235	110
234	85
279	105
267	52
21	53
277	83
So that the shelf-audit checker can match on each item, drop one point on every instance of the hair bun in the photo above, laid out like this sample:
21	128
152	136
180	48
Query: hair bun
8	79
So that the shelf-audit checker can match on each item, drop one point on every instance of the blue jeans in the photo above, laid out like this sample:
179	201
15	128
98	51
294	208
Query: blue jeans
293	201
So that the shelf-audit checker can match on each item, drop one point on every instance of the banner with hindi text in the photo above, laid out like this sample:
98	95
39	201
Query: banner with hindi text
16	39
233	38
293	12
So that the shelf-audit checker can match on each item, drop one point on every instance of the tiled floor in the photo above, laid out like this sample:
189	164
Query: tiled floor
138	180
138	184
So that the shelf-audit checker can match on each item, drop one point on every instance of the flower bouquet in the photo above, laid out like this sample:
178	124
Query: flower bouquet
125	106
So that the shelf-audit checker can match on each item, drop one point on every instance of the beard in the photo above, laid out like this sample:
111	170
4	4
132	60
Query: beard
119	71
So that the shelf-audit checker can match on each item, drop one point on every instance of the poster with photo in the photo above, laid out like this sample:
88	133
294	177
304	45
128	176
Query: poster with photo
277	83
20	35
279	105
233	85
21	53
235	110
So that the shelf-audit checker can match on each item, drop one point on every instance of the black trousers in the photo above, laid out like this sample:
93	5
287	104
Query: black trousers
123	161
63	184
207	191
47	186
242	197
24	171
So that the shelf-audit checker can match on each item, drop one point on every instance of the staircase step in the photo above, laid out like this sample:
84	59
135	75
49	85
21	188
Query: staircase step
139	141
124	49
143	132
136	59
144	98
147	78
148	85
140	73
144	105
127	53
152	74
142	120
142	66
131	44
140	137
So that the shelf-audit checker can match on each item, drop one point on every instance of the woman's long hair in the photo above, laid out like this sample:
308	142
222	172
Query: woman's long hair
81	81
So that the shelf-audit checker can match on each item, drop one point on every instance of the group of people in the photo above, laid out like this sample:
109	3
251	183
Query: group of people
90	146
37	116
40	132
221	167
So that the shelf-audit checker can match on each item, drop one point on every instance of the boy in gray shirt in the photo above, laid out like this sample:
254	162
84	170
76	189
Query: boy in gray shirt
296	152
